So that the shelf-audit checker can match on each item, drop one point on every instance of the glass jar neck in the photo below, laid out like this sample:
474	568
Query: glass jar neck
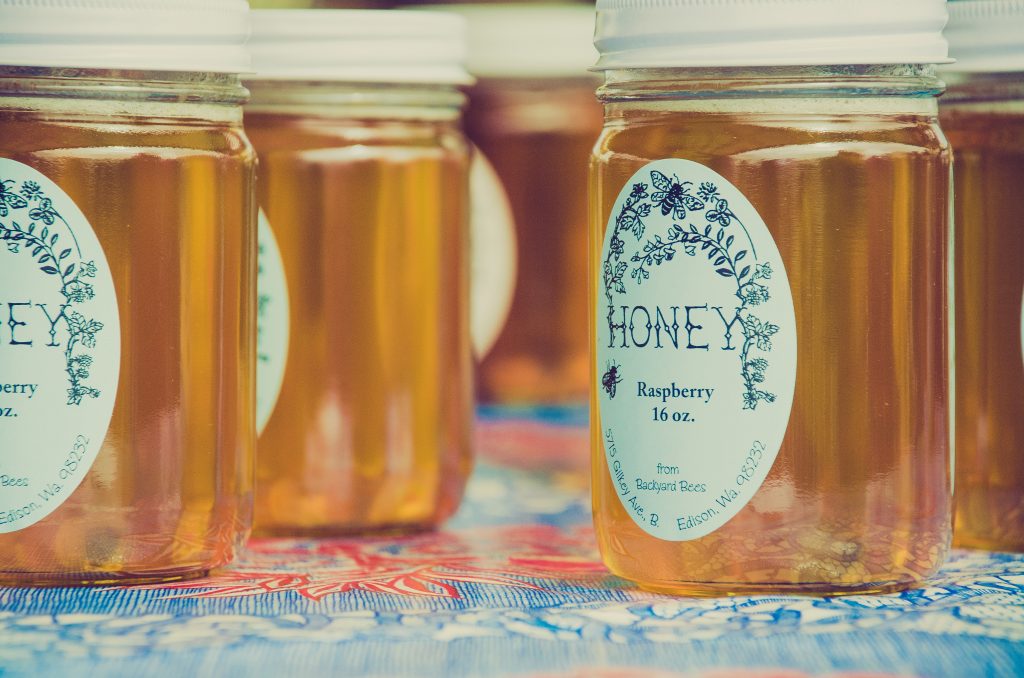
375	101
985	88
839	82
152	94
534	105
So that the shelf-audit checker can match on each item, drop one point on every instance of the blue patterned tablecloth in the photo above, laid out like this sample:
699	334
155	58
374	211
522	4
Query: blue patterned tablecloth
512	587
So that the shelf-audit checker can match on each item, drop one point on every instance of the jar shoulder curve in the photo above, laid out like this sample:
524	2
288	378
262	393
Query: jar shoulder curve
992	129
121	136
273	132
764	137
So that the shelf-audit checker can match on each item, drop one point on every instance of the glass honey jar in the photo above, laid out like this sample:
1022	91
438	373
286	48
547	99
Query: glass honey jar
769	249
363	180
983	115
533	114
127	280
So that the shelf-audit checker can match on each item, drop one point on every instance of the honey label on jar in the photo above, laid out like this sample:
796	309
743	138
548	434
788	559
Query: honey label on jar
60	346
696	349
272	324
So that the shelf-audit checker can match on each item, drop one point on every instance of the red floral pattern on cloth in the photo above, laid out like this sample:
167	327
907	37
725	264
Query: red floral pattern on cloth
429	565
512	588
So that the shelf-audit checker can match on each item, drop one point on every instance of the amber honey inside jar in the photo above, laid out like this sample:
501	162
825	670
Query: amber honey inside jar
127	246
769	280
539	139
983	116
533	114
363	181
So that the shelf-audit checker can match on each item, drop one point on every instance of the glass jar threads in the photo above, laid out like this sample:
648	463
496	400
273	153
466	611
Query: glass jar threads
983	115
769	241
127	265
363	181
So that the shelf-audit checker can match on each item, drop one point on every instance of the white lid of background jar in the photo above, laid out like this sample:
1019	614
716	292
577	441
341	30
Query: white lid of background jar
359	45
524	41
149	35
986	35
721	33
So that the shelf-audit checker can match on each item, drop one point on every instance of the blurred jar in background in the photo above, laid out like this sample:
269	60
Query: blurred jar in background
983	116
534	115
363	182
127	274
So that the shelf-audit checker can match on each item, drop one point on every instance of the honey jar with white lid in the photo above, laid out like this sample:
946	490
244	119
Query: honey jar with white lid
127	289
365	389
770	202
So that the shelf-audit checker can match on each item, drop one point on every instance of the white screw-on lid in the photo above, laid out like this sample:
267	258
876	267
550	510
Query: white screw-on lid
986	35
152	35
695	33
527	41
359	45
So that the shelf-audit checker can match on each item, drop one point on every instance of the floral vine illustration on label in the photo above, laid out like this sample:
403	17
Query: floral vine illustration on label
60	345
272	324
696	349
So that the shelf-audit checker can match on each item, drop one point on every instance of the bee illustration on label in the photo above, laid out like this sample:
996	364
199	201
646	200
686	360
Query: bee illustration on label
673	196
611	378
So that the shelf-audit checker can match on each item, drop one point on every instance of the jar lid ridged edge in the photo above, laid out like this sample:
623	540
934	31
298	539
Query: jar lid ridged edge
359	45
986	36
143	35
756	33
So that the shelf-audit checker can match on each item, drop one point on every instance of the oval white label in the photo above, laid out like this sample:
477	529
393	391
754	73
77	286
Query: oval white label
696	349
493	255
60	346
272	324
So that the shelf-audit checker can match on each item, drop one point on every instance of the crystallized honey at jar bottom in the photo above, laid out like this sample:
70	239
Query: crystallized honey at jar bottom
127	282
365	188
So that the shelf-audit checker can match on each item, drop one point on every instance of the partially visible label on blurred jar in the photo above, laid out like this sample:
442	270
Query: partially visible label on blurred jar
60	346
272	324
493	255
696	349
